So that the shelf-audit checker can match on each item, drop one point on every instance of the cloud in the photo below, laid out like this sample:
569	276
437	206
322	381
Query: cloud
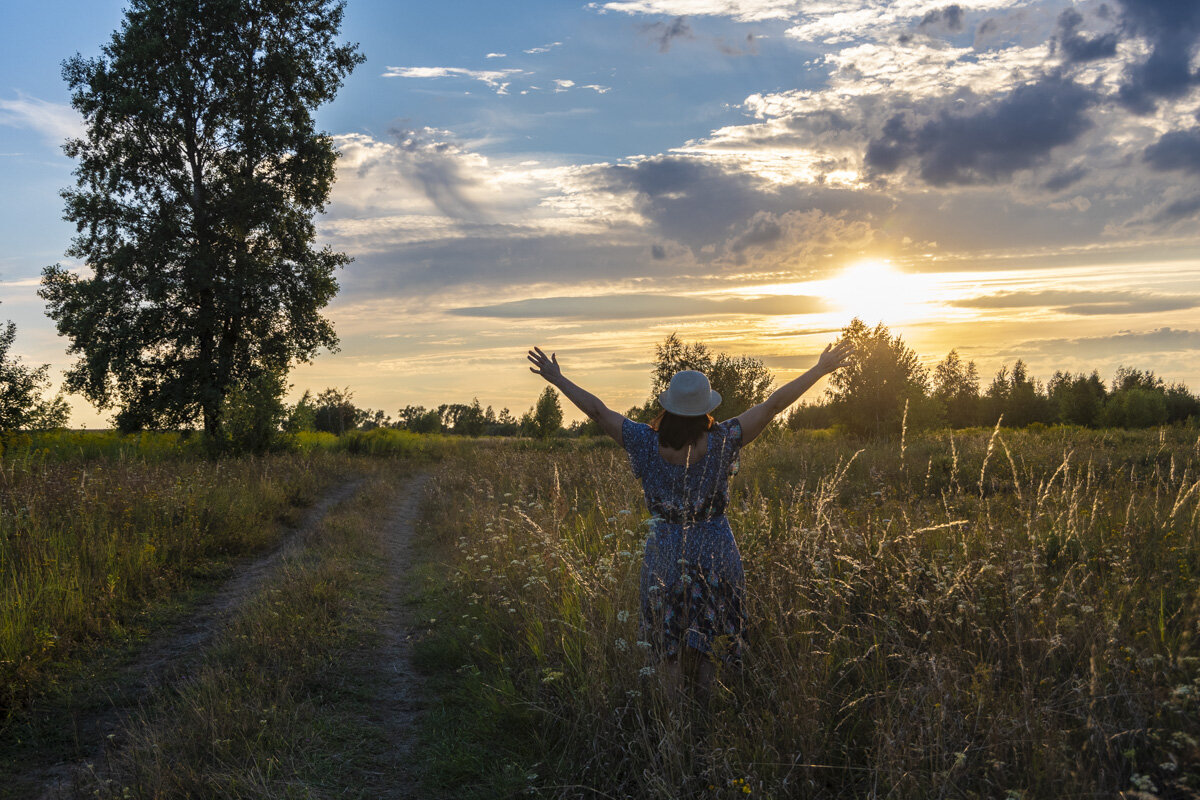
1162	340
666	32
644	306
949	18
1065	178
493	78
1077	48
1171	28
1175	150
739	10
1014	132
496	55
1183	208
54	121
545	48
1082	303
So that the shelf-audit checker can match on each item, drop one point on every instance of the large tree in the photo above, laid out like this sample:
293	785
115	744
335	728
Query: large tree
197	181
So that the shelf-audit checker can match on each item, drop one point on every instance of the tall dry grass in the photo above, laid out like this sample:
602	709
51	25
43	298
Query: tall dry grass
87	540
978	614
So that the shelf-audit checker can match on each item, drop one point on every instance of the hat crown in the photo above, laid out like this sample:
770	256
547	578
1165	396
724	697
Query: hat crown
689	394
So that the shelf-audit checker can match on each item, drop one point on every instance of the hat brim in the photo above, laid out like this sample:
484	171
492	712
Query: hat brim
714	400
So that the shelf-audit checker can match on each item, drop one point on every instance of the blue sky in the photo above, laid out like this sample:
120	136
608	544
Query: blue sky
1014	178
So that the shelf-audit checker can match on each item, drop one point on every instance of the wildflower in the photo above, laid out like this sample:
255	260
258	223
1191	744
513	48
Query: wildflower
646	672
622	616
643	644
621	644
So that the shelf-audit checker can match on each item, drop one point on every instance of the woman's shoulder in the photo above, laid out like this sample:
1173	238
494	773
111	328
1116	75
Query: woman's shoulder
634	433
731	431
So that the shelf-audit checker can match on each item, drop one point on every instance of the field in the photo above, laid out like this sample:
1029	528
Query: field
989	614
1008	614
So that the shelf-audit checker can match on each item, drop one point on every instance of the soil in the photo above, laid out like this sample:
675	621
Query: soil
399	702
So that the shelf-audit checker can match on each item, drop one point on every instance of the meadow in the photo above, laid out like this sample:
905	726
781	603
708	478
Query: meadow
103	536
983	613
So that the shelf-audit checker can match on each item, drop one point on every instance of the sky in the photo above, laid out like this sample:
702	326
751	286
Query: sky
1008	178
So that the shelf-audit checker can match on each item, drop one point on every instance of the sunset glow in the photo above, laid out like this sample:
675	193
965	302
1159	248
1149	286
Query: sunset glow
1010	180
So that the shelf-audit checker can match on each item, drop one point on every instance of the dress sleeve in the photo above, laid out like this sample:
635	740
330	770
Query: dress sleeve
636	438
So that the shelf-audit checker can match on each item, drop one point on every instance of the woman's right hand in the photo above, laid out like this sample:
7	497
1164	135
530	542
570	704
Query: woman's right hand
546	367
835	357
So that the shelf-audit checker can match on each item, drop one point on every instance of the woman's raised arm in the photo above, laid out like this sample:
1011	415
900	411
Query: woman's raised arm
756	419
610	421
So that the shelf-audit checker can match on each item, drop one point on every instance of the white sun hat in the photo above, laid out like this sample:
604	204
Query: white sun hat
689	395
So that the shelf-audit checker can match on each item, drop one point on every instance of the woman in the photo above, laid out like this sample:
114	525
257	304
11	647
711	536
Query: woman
692	584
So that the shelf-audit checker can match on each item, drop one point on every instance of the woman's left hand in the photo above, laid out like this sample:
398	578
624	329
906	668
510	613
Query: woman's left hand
546	367
835	357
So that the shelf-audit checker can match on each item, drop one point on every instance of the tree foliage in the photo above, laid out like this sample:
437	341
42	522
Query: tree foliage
22	405
196	182
742	381
884	378
547	416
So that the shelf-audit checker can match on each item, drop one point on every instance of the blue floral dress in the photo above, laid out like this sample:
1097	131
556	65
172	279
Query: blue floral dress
692	582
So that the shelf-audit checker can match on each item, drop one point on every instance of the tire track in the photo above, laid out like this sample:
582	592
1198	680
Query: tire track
172	652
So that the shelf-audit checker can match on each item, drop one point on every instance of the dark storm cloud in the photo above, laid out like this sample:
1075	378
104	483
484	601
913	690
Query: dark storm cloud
1065	178
435	167
1082	303
1176	150
667	32
499	260
1015	132
697	203
1172	28
1077	48
658	252
1183	208
949	18
763	232
644	306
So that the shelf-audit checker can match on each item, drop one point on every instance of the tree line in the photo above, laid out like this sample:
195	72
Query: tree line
886	387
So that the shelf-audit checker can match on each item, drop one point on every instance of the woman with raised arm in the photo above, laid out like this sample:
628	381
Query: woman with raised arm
692	584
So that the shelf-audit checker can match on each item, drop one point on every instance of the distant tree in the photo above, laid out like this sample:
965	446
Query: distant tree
301	417
197	178
1018	397
419	419
1182	405
22	405
336	412
742	381
870	394
462	419
1131	378
371	418
956	387
810	416
1135	407
547	414
1077	399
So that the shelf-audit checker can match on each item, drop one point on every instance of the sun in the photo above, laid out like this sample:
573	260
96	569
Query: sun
874	291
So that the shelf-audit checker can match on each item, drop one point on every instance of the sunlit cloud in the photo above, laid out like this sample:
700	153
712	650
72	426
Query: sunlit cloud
497	79
740	10
545	48
56	122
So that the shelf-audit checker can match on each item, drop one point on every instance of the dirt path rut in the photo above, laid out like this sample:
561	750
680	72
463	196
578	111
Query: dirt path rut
400	691
173	651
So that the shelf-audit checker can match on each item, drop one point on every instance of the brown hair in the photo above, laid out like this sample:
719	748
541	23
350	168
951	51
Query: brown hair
676	432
